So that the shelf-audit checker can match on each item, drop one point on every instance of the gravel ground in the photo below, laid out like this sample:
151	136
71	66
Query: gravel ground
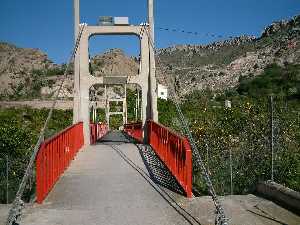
3	213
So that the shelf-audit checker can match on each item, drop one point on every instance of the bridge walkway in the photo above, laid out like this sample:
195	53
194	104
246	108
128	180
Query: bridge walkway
113	182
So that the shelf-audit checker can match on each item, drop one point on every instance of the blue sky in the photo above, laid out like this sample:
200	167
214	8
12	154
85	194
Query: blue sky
48	24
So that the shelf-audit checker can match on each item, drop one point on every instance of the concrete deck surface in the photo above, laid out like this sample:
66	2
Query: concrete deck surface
106	184
3	213
117	182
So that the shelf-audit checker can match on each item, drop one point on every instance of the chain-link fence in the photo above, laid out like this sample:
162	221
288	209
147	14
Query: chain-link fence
11	171
247	141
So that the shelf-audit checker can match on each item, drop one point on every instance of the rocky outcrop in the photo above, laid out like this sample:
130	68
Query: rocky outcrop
283	25
19	68
219	65
114	63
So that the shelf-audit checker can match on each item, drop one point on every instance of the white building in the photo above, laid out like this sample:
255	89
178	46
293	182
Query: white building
227	104
162	91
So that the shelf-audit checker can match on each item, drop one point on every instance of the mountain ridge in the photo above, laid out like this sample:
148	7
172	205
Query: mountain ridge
28	73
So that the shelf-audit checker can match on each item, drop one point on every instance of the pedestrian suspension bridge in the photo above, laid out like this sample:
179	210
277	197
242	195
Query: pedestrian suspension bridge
87	174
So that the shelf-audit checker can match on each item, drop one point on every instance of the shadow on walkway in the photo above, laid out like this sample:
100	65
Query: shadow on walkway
114	138
188	217
158	172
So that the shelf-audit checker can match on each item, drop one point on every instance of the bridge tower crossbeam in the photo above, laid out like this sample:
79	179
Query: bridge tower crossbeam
145	78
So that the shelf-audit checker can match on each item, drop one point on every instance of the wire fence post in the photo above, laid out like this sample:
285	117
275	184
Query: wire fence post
7	180
207	156
231	176
272	136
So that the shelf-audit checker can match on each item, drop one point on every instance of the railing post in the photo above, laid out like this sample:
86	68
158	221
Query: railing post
51	162
189	168
149	127
39	176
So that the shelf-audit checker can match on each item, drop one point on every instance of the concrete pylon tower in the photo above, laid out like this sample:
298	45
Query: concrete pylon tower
145	78
152	77
76	91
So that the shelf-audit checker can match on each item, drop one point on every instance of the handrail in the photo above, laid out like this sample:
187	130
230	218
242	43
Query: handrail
175	151
169	130
135	130
97	131
54	156
59	133
172	148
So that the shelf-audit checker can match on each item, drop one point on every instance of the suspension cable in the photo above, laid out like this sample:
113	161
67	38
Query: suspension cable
18	204
220	217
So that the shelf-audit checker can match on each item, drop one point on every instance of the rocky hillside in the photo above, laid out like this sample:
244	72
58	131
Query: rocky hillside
114	63
17	66
220	65
29	74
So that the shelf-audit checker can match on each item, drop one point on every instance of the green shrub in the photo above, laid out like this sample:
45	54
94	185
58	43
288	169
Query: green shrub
244	130
19	130
275	80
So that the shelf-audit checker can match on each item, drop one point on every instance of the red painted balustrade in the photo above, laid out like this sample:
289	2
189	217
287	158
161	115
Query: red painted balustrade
54	156
173	149
98	130
134	130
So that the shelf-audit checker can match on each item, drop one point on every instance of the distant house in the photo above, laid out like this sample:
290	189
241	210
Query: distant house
162	91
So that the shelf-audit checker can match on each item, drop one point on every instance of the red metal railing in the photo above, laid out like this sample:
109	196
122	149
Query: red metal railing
175	151
54	157
98	130
134	130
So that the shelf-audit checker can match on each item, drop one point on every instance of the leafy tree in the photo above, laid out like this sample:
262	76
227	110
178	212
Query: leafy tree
19	131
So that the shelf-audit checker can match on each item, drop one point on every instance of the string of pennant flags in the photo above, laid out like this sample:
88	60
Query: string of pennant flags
196	33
